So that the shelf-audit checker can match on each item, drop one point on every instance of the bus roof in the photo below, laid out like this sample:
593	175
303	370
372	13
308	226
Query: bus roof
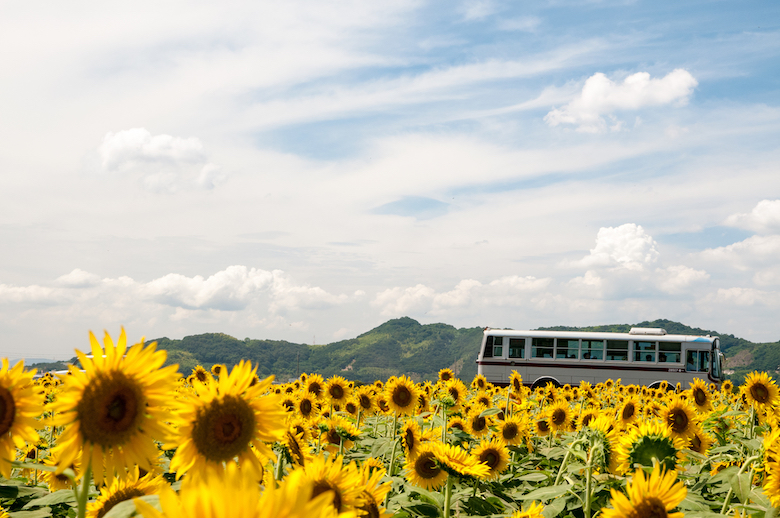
636	334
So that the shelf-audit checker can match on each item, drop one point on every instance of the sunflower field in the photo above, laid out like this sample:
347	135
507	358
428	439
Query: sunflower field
121	435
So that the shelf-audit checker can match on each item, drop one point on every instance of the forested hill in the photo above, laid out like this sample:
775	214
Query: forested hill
400	346
404	346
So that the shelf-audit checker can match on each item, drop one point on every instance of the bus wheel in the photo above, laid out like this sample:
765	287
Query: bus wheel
660	384
543	382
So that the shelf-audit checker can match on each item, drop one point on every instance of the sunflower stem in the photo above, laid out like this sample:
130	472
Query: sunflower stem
447	496
279	467
508	399
443	424
588	483
395	445
82	496
751	435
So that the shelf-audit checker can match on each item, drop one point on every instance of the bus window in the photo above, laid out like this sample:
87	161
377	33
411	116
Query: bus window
697	361
593	349
488	352
670	352
569	349
644	351
498	350
617	350
517	347
542	347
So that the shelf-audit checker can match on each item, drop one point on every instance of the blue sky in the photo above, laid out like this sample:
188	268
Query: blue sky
309	170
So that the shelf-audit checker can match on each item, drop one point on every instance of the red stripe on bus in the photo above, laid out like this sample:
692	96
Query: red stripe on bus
587	366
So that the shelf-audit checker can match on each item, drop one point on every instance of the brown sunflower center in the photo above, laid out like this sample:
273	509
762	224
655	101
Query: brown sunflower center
759	392
628	411
586	419
490	457
678	420
321	486
700	397
365	402
478	424
295	448
696	443
542	426
315	388
305	407
336	391
351	407
201	375
558	417
409	440
333	437
7	410
109	411
223	429
509	431
425	466
370	508
120	496
650	507
402	396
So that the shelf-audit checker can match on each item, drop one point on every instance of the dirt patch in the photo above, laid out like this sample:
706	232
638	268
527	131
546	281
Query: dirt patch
741	359
457	366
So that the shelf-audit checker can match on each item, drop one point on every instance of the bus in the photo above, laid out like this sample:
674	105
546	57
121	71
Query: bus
643	356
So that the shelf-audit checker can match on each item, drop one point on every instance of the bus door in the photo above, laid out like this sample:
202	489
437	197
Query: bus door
697	361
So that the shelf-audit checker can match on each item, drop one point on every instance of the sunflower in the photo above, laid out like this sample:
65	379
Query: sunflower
457	391
587	416
602	429
115	409
483	398
337	390
628	412
217	369
57	480
761	391
307	406
411	438
457	461
648	497
21	401
424	470
512	430
495	455
232	494
296	447
478	425
365	398
401	394
228	420
480	382
123	490
772	483
559	416
542	427
727	387
649	443
315	386
516	382
534	511
700	441
680	417
374	493
446	375
336	430
201	375
331	475
700	395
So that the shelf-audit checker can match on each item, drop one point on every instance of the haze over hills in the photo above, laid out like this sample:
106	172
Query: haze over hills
404	346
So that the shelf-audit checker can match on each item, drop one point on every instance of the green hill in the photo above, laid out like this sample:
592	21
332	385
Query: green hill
404	346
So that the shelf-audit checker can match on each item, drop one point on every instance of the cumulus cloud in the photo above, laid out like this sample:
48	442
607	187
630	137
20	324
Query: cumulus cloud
601	97
746	297
505	291
625	247
234	289
679	278
746	254
162	163
764	218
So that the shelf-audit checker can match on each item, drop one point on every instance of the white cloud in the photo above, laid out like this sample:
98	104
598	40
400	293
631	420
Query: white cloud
162	163
747	297
401	301
523	23
28	294
746	254
677	279
626	247
764	218
602	97
78	279
477	9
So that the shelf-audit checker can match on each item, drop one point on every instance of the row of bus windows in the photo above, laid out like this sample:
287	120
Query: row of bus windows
612	350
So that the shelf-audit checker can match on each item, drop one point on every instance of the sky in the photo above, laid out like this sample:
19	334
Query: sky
307	170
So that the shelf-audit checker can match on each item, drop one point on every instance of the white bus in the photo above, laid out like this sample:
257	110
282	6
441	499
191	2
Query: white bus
643	356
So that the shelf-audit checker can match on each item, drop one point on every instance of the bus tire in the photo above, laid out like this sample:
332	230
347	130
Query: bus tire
543	382
657	385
